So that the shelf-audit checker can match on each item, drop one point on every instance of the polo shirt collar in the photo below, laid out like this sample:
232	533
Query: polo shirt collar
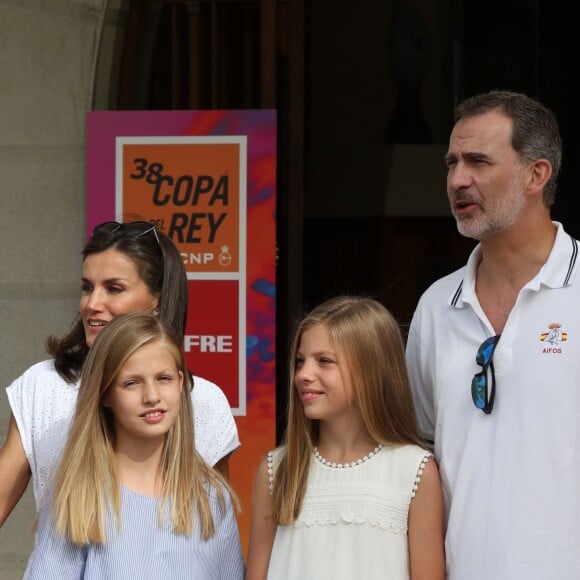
559	270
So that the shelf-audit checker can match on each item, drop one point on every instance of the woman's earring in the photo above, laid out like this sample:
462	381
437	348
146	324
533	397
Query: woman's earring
155	312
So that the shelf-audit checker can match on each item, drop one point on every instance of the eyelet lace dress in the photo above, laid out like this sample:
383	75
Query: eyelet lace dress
353	522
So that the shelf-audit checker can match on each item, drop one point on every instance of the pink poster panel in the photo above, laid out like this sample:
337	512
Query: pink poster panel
207	179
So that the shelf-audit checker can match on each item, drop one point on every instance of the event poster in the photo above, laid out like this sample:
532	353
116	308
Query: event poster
207	179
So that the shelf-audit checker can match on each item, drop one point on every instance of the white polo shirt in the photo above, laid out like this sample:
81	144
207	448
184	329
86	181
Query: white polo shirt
511	479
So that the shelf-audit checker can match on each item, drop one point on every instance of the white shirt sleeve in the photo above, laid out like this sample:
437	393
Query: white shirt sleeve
43	406
216	432
422	392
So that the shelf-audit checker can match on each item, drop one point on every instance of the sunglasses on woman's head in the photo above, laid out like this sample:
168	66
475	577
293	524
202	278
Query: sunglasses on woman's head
129	229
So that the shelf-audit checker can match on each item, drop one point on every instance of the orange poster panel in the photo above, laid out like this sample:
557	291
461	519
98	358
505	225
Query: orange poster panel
192	192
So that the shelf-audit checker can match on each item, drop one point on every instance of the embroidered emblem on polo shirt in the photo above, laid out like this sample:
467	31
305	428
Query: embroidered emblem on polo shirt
555	336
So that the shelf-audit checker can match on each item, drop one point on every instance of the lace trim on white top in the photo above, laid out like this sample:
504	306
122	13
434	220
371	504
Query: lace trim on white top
351	510
420	473
336	508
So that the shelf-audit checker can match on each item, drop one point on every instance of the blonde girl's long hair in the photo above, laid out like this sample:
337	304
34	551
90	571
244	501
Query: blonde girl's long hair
371	357
87	484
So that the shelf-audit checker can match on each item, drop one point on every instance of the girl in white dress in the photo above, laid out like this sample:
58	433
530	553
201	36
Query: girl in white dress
351	493
132	498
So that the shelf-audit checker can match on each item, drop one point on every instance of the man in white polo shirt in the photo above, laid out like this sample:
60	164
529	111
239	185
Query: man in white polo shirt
493	352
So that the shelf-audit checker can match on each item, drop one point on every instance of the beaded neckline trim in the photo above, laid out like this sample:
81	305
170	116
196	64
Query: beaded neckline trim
345	465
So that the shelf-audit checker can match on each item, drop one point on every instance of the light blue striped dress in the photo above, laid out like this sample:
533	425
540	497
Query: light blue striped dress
141	548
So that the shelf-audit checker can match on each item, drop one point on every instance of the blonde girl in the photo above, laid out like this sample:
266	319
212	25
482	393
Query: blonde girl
132	498
351	492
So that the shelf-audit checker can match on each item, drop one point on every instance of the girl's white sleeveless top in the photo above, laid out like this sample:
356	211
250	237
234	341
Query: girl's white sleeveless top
353	522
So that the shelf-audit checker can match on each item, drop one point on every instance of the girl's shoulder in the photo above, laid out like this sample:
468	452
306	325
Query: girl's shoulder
407	457
274	457
410	451
406	465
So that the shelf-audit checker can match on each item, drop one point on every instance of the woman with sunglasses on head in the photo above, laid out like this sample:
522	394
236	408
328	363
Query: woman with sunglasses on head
131	498
126	267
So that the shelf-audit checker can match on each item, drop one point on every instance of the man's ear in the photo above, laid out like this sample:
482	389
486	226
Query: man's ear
541	171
